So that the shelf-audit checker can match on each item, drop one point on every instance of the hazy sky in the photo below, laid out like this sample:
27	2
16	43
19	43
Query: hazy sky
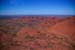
37	7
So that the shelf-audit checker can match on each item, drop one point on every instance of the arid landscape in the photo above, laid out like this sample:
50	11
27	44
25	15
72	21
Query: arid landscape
37	33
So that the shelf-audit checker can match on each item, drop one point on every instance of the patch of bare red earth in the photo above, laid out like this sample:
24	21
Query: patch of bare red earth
65	28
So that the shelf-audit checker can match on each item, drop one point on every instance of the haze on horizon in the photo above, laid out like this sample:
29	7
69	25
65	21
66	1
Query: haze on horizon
37	7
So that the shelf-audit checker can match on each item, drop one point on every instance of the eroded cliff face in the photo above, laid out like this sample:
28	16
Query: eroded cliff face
37	33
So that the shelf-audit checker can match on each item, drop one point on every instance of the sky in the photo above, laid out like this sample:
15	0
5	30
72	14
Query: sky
37	7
